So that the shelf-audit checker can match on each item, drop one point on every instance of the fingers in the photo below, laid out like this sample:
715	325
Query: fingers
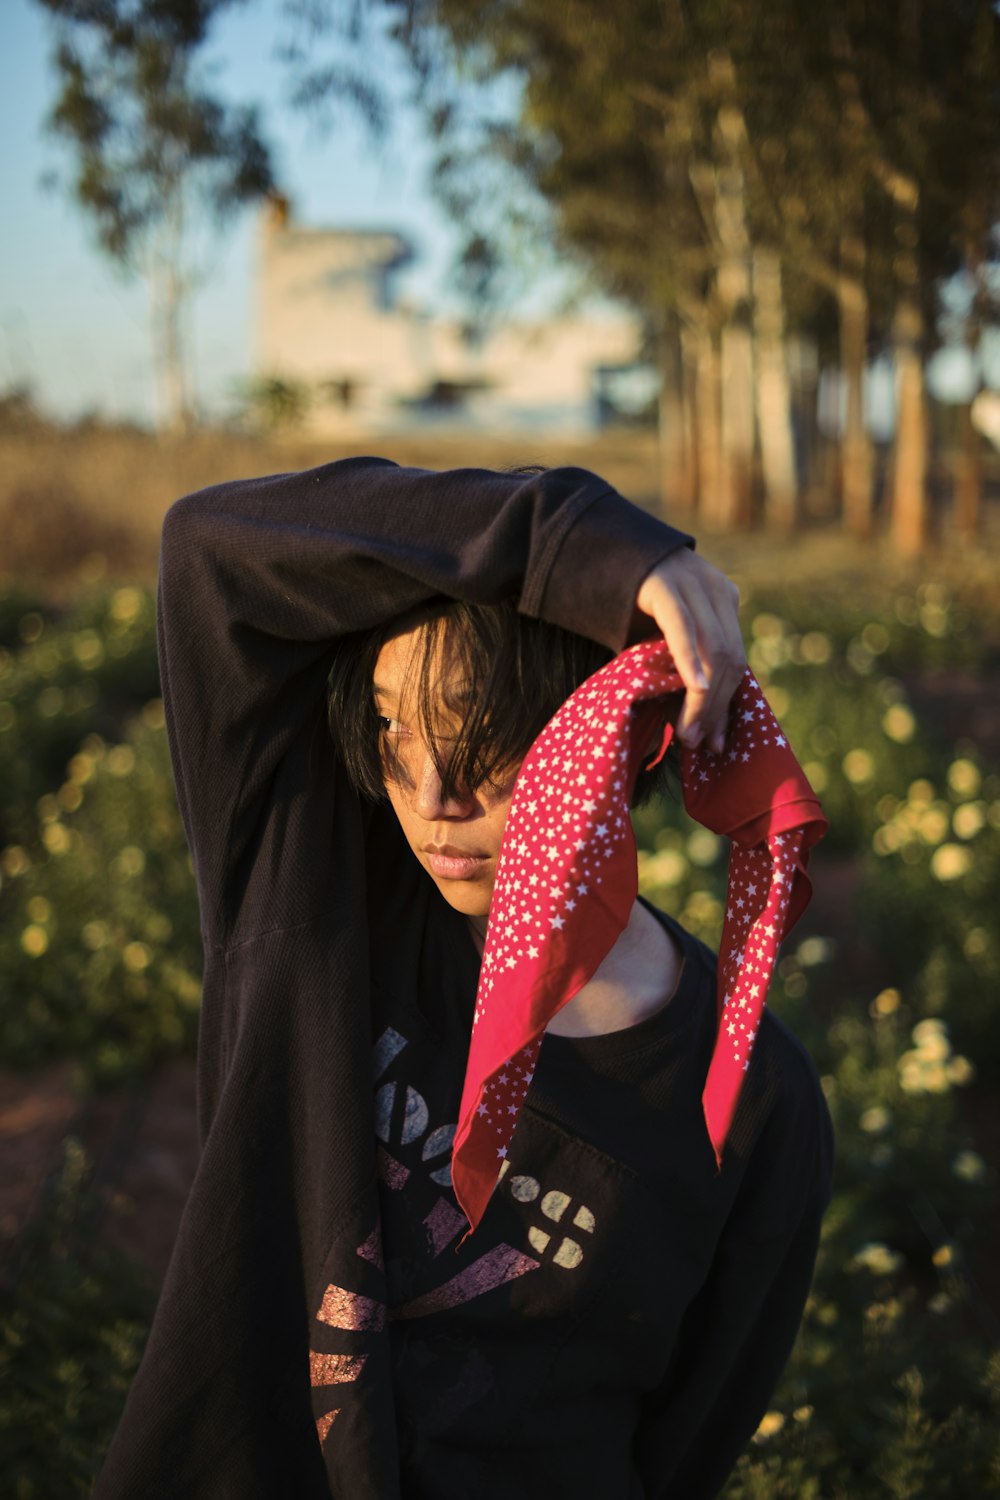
697	609
726	658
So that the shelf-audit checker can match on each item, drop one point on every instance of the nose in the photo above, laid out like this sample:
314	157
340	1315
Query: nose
428	800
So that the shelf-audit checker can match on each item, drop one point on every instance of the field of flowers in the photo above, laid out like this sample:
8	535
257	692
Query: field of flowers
894	1387
892	981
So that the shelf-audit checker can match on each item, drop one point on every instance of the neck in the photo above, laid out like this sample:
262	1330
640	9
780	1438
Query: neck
638	976
477	926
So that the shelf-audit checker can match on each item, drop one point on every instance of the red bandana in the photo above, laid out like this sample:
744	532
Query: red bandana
567	880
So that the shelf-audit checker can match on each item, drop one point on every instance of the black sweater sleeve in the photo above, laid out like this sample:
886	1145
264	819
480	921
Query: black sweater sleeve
258	577
738	1332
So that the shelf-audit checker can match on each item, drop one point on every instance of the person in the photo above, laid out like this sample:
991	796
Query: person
354	662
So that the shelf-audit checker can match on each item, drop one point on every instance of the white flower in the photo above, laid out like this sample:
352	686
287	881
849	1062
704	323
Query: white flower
963	777
950	861
878	1258
899	724
859	766
876	1119
770	1423
969	1166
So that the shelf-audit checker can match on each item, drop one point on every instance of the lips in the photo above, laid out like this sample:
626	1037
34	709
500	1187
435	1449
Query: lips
449	862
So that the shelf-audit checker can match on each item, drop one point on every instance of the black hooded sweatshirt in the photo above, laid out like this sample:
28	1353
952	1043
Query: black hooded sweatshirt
618	1321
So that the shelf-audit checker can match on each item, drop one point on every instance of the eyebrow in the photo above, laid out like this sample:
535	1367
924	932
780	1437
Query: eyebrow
459	695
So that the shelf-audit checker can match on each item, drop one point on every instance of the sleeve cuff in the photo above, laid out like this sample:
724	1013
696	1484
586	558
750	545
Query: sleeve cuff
601	562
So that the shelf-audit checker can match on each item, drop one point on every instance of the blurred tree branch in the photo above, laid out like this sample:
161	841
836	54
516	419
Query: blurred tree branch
152	149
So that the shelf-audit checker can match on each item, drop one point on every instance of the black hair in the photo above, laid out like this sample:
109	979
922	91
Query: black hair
515	673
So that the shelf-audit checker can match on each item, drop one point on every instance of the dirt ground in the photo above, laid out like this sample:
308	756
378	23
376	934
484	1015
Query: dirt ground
142	1148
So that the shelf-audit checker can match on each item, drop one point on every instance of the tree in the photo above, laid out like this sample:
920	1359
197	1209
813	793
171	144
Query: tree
710	161
736	172
153	150
634	128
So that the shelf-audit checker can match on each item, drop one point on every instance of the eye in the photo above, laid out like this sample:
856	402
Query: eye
390	726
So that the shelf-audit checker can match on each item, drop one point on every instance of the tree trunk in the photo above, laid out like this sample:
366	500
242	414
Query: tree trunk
733	289
911	512
689	341
676	479
174	372
968	477
711	499
856	452
774	397
911	517
803	366
737	431
856	467
169	289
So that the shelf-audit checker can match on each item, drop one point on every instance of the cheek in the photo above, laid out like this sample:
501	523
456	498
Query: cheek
394	755
499	812
398	805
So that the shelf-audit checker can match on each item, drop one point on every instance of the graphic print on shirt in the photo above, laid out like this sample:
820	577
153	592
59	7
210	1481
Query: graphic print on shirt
556	1259
412	1127
568	1272
354	1320
403	1124
567	1253
549	1249
413	1154
404	1130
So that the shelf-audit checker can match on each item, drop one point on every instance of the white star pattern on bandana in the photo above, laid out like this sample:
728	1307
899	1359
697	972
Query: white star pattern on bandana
566	881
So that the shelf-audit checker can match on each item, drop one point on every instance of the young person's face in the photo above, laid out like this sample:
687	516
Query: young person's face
456	839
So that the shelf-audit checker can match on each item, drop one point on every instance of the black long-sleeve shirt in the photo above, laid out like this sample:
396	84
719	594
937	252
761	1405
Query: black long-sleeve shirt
617	1322
257	579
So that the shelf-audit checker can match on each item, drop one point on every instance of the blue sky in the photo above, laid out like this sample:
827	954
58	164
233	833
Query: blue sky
76	329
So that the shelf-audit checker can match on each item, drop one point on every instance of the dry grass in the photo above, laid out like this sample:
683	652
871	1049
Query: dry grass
65	495
72	498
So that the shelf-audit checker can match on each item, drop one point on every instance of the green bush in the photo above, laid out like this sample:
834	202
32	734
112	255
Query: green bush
99	938
71	1343
894	1385
86	675
931	892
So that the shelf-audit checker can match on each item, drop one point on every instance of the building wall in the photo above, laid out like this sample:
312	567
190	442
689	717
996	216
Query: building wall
326	315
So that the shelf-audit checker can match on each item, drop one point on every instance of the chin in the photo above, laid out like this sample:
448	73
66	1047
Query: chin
463	896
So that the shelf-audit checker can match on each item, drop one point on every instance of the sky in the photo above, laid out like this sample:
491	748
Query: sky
78	331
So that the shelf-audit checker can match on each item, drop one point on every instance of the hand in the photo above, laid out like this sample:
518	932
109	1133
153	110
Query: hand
697	609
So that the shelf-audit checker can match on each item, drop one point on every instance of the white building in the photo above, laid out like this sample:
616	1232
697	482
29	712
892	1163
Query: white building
328	318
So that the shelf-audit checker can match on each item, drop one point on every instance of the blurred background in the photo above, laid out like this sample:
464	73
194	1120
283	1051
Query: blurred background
743	260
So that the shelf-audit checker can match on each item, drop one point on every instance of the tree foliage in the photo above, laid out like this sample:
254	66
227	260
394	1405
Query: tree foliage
676	142
626	115
151	144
